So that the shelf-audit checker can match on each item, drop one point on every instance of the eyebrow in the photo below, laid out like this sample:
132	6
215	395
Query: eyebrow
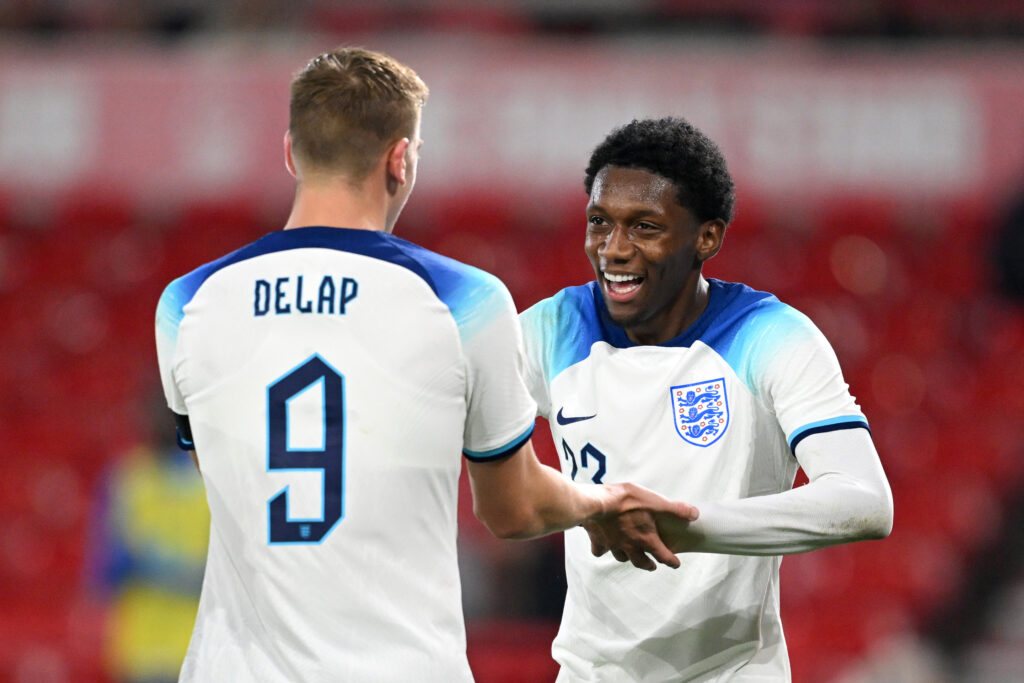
630	213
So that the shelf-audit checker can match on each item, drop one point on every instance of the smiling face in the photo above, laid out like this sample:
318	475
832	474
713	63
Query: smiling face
647	251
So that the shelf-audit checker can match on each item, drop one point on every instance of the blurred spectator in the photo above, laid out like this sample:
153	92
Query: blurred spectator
148	556
1009	251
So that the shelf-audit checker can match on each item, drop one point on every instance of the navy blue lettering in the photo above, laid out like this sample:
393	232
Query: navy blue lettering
303	307
588	452
279	295
597	455
326	295
349	291
261	298
330	459
569	455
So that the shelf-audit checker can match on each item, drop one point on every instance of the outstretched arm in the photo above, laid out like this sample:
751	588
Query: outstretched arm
846	499
518	497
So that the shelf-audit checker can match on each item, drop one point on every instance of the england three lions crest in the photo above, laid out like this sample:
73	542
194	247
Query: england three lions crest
700	411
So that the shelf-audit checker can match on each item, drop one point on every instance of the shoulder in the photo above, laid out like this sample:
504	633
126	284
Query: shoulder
476	299
559	331
180	291
743	314
449	278
573	308
751	329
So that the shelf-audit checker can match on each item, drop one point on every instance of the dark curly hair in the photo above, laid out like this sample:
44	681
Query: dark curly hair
671	147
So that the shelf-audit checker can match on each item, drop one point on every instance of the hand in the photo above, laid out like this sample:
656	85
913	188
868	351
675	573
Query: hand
626	526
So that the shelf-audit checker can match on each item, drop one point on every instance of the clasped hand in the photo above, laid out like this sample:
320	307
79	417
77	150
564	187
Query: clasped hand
627	526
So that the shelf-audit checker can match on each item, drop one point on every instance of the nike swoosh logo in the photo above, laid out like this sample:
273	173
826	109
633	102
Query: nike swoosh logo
563	420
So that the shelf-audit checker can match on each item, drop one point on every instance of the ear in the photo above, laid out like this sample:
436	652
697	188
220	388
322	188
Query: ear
396	163
289	162
710	235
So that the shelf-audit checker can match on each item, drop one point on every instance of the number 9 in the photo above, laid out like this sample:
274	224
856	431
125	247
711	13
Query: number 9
330	459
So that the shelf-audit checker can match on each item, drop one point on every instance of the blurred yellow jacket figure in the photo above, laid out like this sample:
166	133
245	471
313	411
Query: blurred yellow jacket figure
153	549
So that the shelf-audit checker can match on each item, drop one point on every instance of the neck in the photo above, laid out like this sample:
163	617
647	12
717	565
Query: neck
678	318
337	204
697	303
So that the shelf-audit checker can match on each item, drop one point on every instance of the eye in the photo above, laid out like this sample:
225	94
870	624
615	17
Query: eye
595	220
646	226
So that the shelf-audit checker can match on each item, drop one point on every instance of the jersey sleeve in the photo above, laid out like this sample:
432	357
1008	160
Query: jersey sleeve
500	412
559	332
168	318
534	345
847	499
801	379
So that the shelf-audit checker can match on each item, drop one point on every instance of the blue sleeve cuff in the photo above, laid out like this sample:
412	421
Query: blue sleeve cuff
184	432
830	425
499	453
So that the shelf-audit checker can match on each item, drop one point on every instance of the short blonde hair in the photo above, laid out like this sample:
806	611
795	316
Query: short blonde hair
348	106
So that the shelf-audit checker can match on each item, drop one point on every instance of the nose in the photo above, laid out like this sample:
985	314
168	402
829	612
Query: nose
616	246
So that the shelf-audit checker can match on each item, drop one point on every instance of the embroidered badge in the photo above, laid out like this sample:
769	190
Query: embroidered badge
700	411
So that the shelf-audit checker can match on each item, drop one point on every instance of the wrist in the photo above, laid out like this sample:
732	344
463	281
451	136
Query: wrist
596	501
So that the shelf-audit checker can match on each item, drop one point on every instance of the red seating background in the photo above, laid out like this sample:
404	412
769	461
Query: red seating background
902	292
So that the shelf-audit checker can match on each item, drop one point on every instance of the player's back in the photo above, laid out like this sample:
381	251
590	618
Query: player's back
326	387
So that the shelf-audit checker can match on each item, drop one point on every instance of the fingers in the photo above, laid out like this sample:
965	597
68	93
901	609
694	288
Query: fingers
634	496
638	558
629	527
662	553
641	561
638	552
633	537
623	550
598	540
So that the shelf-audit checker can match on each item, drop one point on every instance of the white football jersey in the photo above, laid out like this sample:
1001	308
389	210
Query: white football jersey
711	415
332	379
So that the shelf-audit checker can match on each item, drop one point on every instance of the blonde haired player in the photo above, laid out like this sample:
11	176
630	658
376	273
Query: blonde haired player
329	377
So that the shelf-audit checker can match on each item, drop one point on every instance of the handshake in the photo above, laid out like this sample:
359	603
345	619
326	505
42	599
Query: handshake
635	523
518	497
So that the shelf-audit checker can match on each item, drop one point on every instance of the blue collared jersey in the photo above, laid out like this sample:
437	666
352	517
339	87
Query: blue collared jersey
332	378
713	414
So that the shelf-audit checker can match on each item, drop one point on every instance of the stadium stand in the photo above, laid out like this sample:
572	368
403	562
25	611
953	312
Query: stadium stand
932	351
947	496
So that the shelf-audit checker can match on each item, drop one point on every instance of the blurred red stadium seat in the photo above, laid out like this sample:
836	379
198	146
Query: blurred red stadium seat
960	435
508	651
203	231
88	211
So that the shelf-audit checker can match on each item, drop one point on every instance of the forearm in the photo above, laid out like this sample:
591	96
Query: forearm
807	518
847	499
521	498
551	503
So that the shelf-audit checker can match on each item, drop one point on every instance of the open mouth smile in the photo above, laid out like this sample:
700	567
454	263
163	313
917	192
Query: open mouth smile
622	286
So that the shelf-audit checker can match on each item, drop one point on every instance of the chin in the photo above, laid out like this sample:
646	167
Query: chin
622	319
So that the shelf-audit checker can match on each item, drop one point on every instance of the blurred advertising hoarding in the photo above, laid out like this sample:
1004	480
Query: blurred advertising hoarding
174	124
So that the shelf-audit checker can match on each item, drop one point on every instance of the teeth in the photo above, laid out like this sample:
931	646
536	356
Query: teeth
612	277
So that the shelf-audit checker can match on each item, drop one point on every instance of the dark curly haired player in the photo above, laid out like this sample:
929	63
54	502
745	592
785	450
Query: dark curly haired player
706	391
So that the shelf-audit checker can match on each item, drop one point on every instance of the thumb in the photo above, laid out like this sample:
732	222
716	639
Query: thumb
677	508
688	512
